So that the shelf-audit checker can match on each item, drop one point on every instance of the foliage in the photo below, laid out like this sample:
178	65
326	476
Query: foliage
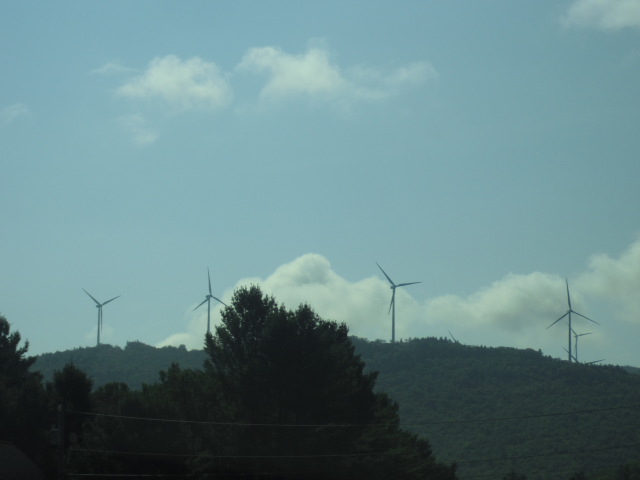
444	388
302	392
434	381
23	412
135	364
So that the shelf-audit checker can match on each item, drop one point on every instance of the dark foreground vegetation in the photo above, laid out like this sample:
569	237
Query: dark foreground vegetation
281	395
270	395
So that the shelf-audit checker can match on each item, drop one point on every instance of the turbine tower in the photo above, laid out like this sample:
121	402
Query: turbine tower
568	314
207	299
392	305
99	307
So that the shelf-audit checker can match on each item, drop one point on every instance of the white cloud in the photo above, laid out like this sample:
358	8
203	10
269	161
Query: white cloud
12	113
315	76
513	303
141	134
608	15
514	311
310	279
188	84
311	73
617	281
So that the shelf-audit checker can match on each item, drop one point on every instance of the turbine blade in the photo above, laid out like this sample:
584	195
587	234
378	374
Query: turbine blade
111	300
405	284
216	298
209	277
97	302
568	296
203	302
583	316
385	274
559	319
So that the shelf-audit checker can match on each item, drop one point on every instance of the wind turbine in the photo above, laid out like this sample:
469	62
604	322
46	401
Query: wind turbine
392	305
576	336
568	313
207	299
99	307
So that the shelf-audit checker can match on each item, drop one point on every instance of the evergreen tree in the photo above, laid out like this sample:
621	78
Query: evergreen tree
24	417
300	400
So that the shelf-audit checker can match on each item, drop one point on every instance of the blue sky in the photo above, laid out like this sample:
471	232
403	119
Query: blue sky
486	149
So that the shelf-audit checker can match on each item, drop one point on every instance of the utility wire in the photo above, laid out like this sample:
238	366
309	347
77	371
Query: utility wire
200	455
341	455
343	425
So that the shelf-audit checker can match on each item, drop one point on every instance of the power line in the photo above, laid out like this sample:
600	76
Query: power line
205	455
346	425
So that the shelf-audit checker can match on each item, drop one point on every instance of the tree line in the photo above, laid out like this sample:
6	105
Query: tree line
282	395
285	394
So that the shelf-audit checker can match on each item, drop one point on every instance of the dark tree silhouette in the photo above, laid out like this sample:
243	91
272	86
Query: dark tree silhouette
306	404
24	418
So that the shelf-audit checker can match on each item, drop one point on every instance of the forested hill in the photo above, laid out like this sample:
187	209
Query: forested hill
477	406
135	364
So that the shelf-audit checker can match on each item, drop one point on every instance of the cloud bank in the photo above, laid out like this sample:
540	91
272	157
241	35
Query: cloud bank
514	311
607	15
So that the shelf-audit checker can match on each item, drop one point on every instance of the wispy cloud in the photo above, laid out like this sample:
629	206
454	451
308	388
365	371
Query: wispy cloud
13	112
136	125
182	84
111	68
313	75
607	15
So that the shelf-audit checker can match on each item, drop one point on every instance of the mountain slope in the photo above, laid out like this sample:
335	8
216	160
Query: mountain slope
490	410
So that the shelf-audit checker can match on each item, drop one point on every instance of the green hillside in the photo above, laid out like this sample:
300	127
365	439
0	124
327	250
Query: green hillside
135	364
490	410
464	400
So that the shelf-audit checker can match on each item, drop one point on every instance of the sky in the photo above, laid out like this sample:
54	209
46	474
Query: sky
489	150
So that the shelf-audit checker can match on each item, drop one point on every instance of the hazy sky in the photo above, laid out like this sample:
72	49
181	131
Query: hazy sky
487	149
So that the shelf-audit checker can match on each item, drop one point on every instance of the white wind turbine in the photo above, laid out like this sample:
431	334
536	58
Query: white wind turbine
568	314
392	305
99	307
207	300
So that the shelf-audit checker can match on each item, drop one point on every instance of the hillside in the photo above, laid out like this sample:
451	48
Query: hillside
468	401
135	364
461	399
